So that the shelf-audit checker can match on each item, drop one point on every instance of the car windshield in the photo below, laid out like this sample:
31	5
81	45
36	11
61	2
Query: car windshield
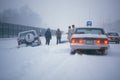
113	34
89	31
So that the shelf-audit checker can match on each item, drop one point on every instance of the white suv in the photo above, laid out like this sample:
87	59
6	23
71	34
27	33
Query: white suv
29	37
89	38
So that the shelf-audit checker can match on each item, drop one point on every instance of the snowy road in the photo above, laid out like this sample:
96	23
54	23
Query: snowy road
55	63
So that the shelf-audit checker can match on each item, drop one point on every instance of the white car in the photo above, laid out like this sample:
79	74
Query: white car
29	37
89	38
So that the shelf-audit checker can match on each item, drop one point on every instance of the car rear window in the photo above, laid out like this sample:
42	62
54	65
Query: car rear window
89	31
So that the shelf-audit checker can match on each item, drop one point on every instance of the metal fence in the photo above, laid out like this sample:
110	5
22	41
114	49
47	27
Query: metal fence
8	30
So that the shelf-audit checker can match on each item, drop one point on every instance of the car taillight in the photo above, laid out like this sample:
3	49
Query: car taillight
98	41
119	38
73	41
102	41
80	41
106	41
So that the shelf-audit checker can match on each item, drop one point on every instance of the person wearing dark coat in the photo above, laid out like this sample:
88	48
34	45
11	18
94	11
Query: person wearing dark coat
58	36
48	36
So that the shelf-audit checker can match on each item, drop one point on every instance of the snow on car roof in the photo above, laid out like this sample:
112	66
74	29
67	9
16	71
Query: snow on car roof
27	31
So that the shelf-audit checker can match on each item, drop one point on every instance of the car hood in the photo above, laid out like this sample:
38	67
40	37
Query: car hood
88	36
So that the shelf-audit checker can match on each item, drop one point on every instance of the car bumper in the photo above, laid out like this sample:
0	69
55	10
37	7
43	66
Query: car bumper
87	47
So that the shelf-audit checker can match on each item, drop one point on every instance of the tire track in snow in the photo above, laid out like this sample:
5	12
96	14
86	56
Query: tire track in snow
53	72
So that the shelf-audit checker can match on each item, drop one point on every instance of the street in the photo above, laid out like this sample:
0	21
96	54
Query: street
54	62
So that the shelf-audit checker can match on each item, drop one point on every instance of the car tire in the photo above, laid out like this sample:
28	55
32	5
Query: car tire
118	42
39	41
19	43
72	52
102	52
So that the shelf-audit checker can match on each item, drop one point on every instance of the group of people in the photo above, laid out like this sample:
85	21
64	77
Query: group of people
48	35
70	31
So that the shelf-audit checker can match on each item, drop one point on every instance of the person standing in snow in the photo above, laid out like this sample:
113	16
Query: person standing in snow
69	33
58	36
73	29
48	36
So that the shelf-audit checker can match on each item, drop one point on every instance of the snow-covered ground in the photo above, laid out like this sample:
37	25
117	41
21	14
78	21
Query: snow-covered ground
54	62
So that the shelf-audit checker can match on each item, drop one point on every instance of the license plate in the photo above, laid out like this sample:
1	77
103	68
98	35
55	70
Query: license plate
89	42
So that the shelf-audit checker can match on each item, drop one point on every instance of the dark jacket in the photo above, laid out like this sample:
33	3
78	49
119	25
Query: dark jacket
48	34
58	34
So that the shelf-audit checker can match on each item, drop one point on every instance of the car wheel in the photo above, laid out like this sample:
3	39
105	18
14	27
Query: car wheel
118	42
101	52
18	43
39	41
72	52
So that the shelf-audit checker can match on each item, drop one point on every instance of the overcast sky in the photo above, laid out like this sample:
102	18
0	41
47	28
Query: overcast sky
62	13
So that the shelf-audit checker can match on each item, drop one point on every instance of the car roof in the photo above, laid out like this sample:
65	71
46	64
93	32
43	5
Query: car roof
27	31
90	27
